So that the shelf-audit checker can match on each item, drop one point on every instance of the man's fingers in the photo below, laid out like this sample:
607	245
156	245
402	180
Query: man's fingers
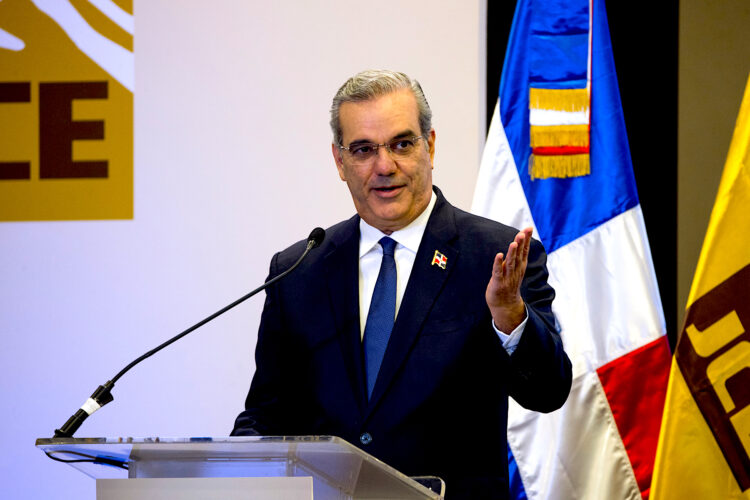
524	253
497	265
511	260
526	246
529	233
521	242
508	270
523	249
517	256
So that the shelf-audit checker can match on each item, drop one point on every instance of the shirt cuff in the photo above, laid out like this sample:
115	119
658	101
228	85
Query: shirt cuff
510	342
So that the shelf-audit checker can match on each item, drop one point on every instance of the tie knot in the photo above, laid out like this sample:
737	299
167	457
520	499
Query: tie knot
388	245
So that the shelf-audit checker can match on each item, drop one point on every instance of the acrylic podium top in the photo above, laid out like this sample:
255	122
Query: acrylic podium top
335	465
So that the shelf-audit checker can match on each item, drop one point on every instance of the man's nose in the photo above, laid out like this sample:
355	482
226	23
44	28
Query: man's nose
384	162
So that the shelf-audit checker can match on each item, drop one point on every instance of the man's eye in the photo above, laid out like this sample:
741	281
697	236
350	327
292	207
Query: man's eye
362	149
402	145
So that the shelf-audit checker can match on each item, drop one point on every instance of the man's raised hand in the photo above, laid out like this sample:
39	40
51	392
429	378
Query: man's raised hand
504	289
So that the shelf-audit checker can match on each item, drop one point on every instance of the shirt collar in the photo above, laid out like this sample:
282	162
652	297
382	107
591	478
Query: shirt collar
409	237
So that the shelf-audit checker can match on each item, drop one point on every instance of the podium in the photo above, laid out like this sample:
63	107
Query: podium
252	467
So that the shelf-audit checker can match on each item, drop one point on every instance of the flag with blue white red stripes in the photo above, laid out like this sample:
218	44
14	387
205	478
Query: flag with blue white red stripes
557	159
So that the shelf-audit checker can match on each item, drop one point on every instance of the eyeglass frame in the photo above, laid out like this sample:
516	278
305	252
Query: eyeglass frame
376	146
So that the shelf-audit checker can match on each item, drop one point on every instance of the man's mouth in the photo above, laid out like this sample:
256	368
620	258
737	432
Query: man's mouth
386	191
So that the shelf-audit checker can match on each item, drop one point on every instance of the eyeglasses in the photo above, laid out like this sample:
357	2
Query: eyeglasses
363	152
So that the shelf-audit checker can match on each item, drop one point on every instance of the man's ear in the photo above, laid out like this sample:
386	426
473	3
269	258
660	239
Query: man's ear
431	145
339	161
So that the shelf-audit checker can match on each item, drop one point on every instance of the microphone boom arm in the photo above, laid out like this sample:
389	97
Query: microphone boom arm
103	395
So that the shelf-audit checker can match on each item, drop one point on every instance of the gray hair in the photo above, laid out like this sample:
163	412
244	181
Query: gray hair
370	84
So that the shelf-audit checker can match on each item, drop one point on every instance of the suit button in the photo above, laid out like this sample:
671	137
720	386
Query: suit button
365	438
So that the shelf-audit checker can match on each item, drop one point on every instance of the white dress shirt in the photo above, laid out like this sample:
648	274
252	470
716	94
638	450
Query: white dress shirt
408	240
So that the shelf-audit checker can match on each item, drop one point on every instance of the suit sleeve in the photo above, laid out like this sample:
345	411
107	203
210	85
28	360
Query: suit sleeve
267	406
541	372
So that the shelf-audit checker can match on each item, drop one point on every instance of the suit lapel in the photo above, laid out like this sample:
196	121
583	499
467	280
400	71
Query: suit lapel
342	277
424	286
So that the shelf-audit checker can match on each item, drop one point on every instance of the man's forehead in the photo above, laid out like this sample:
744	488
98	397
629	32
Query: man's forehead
384	116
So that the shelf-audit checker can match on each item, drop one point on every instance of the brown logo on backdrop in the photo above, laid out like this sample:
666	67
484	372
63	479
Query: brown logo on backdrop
66	110
57	130
714	356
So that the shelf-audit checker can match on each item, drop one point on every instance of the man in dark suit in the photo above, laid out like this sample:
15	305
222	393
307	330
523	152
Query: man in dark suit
428	392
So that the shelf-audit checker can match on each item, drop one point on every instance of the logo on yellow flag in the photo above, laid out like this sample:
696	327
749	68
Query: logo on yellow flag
66	110
713	355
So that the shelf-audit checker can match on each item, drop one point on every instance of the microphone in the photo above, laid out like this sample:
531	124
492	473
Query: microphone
316	237
103	394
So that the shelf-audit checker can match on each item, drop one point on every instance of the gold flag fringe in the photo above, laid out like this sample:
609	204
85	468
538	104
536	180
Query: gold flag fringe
559	99
558	166
559	135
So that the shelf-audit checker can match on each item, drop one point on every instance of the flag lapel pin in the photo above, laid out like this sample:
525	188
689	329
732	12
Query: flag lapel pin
440	260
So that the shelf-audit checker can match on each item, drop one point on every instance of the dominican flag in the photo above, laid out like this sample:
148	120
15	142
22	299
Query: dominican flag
557	159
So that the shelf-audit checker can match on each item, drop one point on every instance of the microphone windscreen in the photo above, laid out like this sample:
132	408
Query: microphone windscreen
317	236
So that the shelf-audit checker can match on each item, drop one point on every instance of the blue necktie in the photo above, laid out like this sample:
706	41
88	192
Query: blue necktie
382	314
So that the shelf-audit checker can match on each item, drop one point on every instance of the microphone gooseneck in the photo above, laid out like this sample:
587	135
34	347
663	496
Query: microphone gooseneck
103	395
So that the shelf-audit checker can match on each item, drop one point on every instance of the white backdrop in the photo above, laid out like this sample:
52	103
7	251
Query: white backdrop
232	162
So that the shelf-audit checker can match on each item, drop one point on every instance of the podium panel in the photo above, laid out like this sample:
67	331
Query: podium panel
206	488
337	469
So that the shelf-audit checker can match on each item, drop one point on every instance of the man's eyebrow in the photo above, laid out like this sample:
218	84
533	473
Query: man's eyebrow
405	133
360	141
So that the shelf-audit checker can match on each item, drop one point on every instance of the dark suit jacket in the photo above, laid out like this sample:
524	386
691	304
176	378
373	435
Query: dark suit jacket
440	403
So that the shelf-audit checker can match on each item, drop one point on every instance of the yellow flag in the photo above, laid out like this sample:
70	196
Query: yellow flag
704	445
